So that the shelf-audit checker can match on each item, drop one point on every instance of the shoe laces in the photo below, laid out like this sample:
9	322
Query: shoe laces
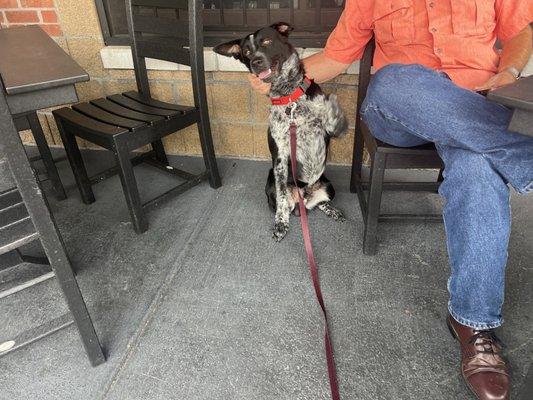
486	341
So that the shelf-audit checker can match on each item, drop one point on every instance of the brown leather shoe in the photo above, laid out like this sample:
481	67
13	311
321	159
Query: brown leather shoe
484	369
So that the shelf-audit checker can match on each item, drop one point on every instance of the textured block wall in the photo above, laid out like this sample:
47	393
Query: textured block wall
238	116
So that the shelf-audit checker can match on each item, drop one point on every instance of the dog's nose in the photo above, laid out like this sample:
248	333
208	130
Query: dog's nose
257	62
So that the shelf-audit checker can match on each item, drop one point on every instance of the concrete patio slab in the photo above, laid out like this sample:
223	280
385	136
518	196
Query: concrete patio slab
205	305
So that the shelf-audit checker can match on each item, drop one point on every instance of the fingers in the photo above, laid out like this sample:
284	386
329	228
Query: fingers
481	88
486	86
258	85
499	80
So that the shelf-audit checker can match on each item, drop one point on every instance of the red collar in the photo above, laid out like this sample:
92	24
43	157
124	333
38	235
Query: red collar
300	90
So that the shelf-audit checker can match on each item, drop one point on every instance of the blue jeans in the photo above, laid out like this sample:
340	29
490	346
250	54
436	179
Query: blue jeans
409	105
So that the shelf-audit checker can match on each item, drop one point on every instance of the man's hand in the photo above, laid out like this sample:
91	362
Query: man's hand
258	85
500	79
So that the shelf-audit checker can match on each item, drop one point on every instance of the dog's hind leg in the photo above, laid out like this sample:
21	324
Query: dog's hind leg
320	195
333	212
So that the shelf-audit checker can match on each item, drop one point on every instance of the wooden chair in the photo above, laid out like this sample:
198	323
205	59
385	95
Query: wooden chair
383	156
124	122
26	217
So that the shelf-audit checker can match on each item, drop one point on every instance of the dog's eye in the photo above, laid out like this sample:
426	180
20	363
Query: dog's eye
266	42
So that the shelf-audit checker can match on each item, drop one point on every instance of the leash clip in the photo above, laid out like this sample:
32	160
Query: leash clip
292	106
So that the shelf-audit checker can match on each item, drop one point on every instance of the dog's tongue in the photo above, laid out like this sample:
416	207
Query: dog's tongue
264	74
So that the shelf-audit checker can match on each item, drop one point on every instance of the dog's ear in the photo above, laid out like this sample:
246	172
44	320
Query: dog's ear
283	28
229	49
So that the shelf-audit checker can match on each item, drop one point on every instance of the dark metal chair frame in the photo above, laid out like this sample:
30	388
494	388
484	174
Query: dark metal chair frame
124	122
27	217
383	156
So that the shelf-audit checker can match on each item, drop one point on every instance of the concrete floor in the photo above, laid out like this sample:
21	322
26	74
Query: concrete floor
205	305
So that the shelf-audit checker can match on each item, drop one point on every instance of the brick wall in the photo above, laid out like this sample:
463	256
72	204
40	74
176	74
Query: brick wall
22	12
238	115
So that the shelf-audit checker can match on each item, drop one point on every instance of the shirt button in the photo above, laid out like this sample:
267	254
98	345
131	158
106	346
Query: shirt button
439	51
431	5
433	30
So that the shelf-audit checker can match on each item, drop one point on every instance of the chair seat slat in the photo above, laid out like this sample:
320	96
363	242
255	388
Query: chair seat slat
160	26
16	235
9	198
107	117
140	107
117	109
89	124
156	103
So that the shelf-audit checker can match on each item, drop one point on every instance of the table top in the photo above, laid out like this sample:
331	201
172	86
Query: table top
30	60
518	95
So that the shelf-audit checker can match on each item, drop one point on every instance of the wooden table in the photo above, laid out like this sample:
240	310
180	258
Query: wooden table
36	73
519	97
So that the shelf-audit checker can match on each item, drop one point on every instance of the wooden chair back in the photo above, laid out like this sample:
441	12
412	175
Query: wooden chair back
169	30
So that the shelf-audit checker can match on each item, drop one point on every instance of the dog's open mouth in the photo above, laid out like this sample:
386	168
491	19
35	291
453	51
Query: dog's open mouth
265	74
268	74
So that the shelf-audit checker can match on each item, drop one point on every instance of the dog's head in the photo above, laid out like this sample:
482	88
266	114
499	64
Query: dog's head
263	52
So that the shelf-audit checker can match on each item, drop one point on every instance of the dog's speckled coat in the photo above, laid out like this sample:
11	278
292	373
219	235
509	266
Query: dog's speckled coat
318	118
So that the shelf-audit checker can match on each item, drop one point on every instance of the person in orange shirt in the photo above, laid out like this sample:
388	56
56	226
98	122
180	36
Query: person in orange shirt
432	58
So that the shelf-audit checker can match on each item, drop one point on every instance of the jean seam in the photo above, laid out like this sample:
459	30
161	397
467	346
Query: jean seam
472	324
526	189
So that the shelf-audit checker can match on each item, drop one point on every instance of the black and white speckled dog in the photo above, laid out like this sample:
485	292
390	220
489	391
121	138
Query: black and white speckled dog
268	54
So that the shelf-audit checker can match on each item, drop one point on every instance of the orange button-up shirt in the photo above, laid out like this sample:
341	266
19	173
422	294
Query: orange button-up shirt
453	36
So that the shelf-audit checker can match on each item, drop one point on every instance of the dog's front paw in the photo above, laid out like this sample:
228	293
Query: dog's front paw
280	230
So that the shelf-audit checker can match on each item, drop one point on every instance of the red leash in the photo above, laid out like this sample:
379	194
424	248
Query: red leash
332	372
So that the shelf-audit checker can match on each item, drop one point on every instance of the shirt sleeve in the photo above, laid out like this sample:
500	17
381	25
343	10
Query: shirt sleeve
512	16
348	40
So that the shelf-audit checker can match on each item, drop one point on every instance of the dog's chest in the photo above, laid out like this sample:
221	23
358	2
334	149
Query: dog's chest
311	145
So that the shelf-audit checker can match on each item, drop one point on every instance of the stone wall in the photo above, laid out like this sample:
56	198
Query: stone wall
238	116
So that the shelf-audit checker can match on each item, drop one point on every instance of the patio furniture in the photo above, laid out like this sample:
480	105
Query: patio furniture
384	156
519	97
37	74
124	122
25	217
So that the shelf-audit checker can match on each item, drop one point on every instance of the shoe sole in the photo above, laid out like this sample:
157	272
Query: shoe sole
450	328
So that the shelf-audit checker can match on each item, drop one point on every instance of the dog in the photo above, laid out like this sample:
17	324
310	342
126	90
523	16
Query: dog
268	54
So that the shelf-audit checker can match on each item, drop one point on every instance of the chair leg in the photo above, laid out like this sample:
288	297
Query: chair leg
159	150
76	163
67	281
440	178
208	150
441	175
131	191
46	155
375	189
357	162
